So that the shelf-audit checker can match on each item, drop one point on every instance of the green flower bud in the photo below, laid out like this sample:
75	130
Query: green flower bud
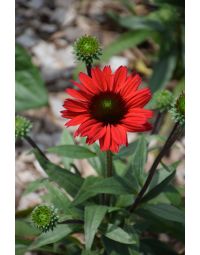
178	110
162	100
22	127
44	217
87	49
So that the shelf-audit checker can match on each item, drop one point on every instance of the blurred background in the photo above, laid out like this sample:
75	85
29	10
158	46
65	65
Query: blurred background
147	36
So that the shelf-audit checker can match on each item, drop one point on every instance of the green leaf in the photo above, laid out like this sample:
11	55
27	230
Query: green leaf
124	201
139	159
29	91
24	229
84	252
180	3
22	59
174	196
66	138
65	179
163	71
94	214
125	41
99	162
93	186
126	151
57	234
57	197
116	248
134	23
119	235
163	211
155	247
159	188
20	248
35	185
72	151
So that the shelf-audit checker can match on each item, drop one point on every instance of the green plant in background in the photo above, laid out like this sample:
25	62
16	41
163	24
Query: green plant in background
178	109
87	49
30	91
120	210
22	127
44	217
164	24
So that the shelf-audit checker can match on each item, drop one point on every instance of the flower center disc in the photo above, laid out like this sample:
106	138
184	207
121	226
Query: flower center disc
108	108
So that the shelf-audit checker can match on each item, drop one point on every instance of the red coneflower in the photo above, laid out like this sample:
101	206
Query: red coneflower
107	106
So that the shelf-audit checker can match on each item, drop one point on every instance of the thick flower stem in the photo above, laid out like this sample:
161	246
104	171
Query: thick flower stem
109	163
157	123
89	67
108	172
72	222
34	145
174	135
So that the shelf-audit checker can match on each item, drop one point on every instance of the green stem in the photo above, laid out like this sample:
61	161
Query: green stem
174	135
89	67
71	222
109	172
109	163
157	123
34	146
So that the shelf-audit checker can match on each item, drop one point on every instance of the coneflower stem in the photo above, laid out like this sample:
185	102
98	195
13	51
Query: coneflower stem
34	145
174	135
71	222
89	67
157	123
108	171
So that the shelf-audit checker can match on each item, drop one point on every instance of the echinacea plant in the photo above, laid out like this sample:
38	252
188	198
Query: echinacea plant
44	217
122	208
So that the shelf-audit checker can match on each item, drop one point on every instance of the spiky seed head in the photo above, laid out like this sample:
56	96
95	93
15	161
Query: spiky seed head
162	100
22	127
44	217
87	49
178	110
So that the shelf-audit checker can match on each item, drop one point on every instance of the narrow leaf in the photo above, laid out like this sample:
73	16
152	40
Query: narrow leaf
93	216
66	138
159	188
30	91
65	179
125	41
57	234
72	151
163	71
93	186
119	235
163	211
136	168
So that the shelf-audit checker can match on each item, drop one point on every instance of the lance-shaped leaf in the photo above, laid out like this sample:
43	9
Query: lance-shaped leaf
94	185
94	214
57	234
65	179
72	151
30	91
163	211
135	172
158	188
120	235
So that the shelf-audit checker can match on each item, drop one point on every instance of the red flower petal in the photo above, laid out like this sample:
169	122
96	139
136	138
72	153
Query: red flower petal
130	86
75	106
80	95
77	120
107	106
140	98
119	78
